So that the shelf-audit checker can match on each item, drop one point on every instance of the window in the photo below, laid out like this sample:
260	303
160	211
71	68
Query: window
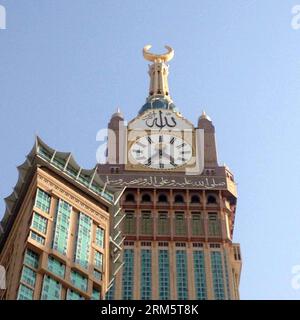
197	225
39	223
42	200
79	281
146	274
110	294
180	225
128	275
72	295
28	276
217	274
164	274
181	272
162	198
100	237
200	276
56	267
83	242
146	198
37	237
211	200
96	294
163	227
98	260
195	199
62	224
146	223
214	228
51	289
97	275
25	293
31	259
129	224
179	199
130	197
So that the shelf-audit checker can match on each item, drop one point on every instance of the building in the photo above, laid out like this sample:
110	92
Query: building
179	203
60	236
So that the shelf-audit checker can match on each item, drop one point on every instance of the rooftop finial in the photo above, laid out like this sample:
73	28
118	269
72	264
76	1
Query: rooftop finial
205	116
158	72
158	57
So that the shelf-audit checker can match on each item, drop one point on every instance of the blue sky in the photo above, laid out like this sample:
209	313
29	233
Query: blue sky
65	66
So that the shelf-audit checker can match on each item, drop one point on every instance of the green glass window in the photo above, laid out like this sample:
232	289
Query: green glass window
127	288
129	224
42	200
98	260
110	294
97	274
181	271
44	153
25	293
51	289
199	274
62	224
59	163
31	258
37	237
56	267
96	294
83	242
146	274
214	228
164	274
28	276
180	224
217	274
163	227
197	225
78	280
72	295
146	223
39	223
100	237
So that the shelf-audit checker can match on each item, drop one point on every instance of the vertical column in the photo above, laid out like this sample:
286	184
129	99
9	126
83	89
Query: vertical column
155	271
209	281
137	271
172	257
190	266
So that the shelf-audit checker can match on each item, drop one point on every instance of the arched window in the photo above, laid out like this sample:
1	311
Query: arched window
130	197
146	197
179	198
162	198
195	199
211	200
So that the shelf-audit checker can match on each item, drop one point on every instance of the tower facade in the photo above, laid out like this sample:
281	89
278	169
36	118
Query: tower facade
59	237
179	203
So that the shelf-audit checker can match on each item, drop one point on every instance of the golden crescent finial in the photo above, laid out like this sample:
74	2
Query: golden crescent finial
155	57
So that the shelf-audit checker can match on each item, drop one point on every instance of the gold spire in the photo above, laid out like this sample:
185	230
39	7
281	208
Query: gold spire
158	72
158	57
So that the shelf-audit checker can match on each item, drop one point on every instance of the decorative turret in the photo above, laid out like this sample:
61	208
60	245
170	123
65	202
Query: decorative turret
159	95
210	152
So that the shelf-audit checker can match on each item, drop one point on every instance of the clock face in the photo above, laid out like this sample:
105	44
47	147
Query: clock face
161	151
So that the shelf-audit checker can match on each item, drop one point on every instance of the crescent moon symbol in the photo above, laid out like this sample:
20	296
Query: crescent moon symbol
154	57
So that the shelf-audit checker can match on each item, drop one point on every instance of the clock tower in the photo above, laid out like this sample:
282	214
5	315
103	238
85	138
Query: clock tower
179	204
